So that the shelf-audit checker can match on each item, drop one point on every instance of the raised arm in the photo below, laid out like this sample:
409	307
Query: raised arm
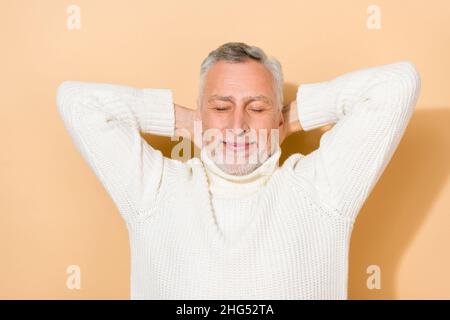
104	121
371	109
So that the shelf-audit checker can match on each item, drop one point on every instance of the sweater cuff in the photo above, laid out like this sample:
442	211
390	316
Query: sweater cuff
157	113
317	104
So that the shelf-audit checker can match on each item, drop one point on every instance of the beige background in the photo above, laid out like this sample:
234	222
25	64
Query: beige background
53	211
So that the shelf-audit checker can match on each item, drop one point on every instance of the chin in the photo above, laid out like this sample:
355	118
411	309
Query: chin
238	169
240	162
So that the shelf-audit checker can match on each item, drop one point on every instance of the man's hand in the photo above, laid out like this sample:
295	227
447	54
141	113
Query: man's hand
291	121
184	121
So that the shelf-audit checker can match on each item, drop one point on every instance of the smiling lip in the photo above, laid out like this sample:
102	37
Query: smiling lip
237	146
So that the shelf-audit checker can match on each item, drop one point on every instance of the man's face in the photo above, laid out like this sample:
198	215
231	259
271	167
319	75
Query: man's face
239	107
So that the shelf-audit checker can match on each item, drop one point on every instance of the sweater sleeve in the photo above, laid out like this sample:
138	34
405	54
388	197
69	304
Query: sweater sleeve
104	121
370	109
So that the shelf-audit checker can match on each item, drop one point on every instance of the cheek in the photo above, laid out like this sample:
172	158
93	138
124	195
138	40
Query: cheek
268	120
268	138
265	128
213	121
212	131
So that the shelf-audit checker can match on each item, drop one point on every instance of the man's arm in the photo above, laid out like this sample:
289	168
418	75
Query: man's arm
184	122
291	122
370	109
104	121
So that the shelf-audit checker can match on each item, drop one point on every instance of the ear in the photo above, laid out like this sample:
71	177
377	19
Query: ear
281	128
199	105
281	122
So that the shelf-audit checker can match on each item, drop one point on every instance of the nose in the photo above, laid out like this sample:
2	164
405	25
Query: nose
239	122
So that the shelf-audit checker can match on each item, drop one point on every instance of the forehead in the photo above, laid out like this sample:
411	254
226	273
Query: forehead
239	79
260	97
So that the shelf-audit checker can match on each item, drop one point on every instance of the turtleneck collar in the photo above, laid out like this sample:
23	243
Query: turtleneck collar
228	185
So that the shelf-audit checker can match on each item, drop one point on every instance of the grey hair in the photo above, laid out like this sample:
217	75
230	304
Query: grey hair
240	52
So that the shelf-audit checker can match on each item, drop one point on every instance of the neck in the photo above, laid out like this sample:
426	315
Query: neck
222	183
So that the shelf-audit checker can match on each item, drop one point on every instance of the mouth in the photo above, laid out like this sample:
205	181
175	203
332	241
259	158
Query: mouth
237	146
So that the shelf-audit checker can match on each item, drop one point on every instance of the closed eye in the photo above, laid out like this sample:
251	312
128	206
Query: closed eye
221	109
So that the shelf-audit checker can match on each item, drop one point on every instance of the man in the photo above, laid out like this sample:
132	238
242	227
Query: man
215	228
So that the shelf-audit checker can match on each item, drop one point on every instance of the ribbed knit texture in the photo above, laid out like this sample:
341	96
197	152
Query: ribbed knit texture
287	234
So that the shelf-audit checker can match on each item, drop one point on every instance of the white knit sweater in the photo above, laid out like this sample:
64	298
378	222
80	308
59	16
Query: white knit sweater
278	233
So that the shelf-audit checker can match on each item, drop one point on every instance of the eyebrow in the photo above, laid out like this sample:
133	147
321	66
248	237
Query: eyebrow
246	99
